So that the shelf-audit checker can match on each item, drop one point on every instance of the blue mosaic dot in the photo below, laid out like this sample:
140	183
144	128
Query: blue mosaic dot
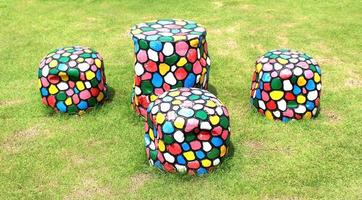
186	112
62	67
258	94
76	90
216	141
156	45
266	77
200	154
44	92
310	105
136	46
167	128
147	140
285	119
158	165
181	160
296	90
157	80
99	75
185	146
190	80
261	85
150	106
82	105
310	85
61	106
201	171
167	99
155	133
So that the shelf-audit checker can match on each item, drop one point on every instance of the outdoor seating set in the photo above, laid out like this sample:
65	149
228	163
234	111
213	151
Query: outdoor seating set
187	128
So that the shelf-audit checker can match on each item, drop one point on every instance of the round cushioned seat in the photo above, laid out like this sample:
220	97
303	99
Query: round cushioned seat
72	79
286	85
187	131
169	54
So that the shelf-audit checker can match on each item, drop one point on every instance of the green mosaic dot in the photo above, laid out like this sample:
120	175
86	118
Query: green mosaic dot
294	79
190	137
188	67
168	139
276	84
224	122
146	87
64	59
292	104
166	39
143	44
171	60
92	101
214	153
61	96
194	97
39	73
153	154
72	109
178	85
54	71
201	114
73	74
85	55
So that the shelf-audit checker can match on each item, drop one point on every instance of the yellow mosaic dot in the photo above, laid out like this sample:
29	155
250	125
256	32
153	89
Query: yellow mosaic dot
153	97
164	68
268	115
80	85
161	146
301	99
214	119
53	89
160	118
223	150
282	61
100	97
87	51
98	63
301	81
179	122
307	115
174	93
189	155
80	60
179	37
259	67
317	78
90	75
176	102
150	133
68	101
276	95
63	76
66	54
39	84
194	42
181	62
210	103
206	163
53	63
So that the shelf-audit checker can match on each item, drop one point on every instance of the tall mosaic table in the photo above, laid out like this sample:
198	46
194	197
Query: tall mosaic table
169	54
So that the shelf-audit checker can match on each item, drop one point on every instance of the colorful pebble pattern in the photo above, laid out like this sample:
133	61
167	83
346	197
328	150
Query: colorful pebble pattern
187	131
286	85
169	54
72	79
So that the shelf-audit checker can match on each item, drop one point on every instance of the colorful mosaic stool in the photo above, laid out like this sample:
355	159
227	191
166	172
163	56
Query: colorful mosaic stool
286	85
72	79
187	131
169	54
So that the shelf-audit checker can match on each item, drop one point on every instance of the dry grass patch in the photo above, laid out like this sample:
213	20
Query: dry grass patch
138	181
89	188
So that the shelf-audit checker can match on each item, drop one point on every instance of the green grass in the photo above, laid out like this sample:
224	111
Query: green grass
101	154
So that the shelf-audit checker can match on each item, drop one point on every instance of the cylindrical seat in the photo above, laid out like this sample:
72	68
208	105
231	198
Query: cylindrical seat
169	54
187	131
72	79
286	85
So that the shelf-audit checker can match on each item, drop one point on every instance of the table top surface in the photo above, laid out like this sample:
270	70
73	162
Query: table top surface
168	30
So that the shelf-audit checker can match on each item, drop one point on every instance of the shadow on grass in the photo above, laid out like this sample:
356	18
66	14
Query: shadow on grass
212	89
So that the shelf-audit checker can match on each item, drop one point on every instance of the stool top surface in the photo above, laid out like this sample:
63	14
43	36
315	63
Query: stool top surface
168	30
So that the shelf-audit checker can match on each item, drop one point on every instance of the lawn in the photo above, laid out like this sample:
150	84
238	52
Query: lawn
101	154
